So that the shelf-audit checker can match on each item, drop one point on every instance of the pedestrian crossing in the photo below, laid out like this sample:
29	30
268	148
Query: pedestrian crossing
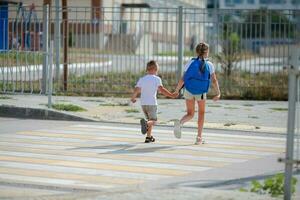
98	157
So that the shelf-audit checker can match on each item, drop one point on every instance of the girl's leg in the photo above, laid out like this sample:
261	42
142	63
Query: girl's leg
201	112
190	109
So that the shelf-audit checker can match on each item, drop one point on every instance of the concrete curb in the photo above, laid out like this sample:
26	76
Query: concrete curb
38	113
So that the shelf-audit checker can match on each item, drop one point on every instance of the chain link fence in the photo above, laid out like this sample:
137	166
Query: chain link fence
103	51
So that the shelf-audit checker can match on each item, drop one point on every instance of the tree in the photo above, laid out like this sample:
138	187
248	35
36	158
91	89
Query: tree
230	53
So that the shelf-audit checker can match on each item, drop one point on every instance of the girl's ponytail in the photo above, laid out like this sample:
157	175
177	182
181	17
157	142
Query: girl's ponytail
201	50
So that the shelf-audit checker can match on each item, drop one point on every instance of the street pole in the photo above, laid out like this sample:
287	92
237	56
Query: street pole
57	40
66	31
50	76
180	42
289	160
45	47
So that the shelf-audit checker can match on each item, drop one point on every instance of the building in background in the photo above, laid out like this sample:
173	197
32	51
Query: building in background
114	25
258	4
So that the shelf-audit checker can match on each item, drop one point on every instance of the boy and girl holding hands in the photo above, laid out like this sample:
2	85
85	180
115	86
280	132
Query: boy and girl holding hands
149	84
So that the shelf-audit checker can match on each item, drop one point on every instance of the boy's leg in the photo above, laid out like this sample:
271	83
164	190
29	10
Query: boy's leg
152	113
150	124
143	122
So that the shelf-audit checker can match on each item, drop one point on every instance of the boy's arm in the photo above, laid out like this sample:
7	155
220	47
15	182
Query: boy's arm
165	92
136	91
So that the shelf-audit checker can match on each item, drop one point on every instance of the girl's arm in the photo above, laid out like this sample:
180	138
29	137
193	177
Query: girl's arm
216	87
165	92
179	85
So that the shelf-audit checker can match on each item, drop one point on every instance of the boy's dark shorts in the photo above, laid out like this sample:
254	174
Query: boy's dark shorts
150	112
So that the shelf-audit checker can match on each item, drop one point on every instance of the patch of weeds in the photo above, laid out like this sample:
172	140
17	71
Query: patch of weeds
243	190
5	97
231	108
68	107
248	105
114	104
230	124
132	110
279	109
94	100
63	100
165	103
108	104
273	186
253	117
213	105
257	127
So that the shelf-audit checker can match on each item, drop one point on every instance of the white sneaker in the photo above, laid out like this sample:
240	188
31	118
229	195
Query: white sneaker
199	140
177	129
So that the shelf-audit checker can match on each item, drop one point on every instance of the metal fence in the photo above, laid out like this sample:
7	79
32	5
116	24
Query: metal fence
105	50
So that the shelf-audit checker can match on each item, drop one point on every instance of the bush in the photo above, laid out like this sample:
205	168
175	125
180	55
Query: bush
273	186
68	107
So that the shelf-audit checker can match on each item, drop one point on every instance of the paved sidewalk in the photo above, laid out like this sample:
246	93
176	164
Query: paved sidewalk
257	116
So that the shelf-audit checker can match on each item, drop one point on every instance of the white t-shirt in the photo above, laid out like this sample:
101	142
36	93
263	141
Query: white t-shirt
210	65
149	85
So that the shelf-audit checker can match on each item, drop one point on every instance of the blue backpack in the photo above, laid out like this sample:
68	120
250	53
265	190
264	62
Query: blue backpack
197	77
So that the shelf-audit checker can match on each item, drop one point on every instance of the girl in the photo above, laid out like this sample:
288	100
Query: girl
202	50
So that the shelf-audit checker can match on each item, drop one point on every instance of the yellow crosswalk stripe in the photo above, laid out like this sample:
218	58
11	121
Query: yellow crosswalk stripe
68	175
122	139
123	168
178	161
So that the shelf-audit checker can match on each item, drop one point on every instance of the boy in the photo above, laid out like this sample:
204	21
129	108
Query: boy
148	86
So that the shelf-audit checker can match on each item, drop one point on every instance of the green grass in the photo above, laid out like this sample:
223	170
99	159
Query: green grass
132	110
279	109
68	107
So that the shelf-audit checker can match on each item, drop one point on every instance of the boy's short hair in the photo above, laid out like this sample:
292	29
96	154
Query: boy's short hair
151	65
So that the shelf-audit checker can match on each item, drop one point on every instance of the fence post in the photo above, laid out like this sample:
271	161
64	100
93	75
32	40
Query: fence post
45	47
50	76
289	160
57	40
180	42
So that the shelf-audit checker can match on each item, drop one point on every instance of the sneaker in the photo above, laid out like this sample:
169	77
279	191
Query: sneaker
149	139
177	129
143	123
199	140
